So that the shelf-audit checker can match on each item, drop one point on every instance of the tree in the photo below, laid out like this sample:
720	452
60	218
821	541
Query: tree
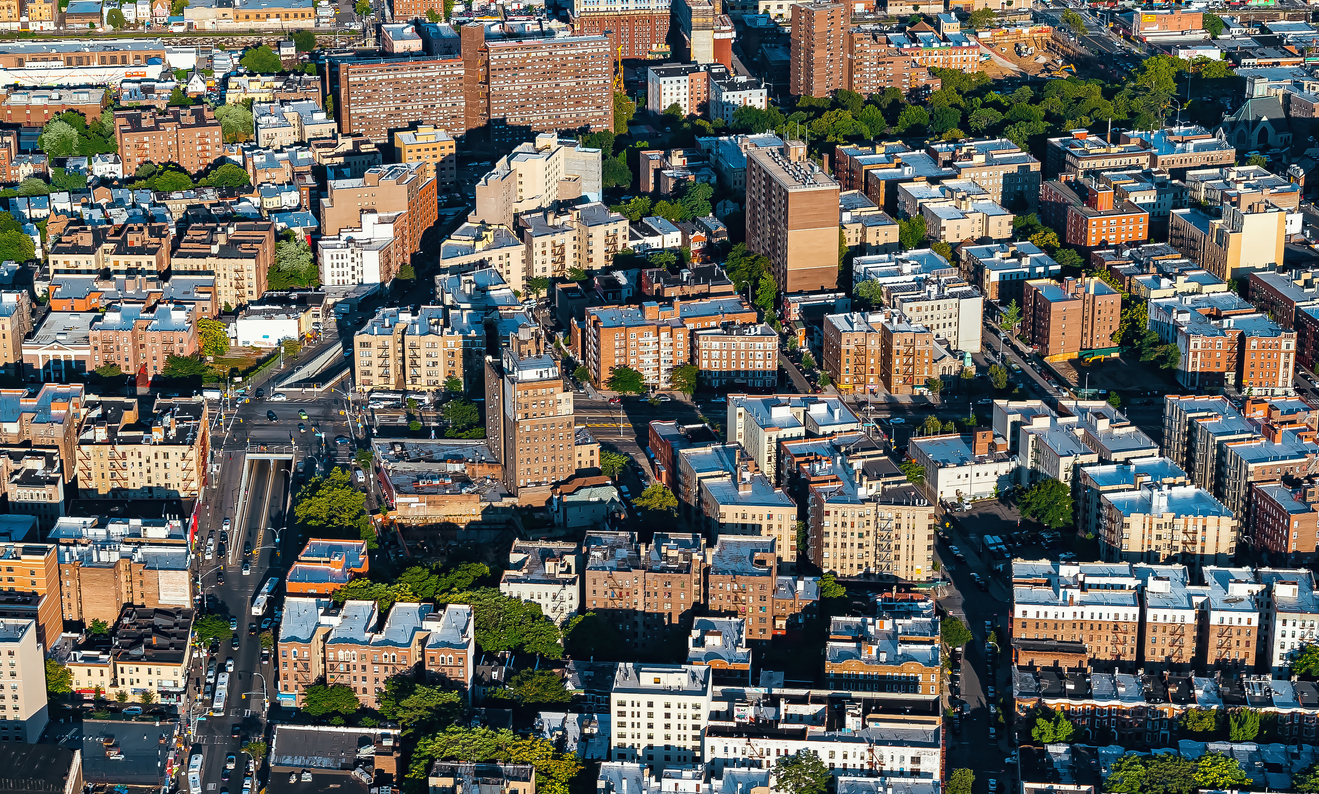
954	632
1049	502
537	285
406	272
121	696
657	498
179	99
228	175
211	628
931	426
1126	775
255	750
236	122
1308	781
830	589
16	246
911	232
509	624
331	504
59	679
1306	663
807	360
1011	317
615	172
214	337
319	700
1200	723
116	19
1220	772
1213	24
1114	399
1046	240
912	117
624	110
147	697
419	706
1257	160
184	368
803	773
304	41
870	291
58	139
261	60
942	249
461	414
590	636
944	119
683	379
1052	727
1243	725
961	782
535	687
626	380
60	179
1074	21
453	384
553	769
576	274
983	118
934	385
981	18
1169	774
33	186
613	463
998	376
915	472
98	626
293	265
434	17
582	374
267	639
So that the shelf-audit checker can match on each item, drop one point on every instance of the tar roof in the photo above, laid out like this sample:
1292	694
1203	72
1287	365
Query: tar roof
736	556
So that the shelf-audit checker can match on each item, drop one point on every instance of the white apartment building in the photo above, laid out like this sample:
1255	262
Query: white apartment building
730	93
360	256
26	713
659	713
544	574
1291	613
1160	523
759	423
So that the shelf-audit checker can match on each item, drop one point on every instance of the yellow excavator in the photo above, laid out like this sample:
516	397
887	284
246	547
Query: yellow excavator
1061	73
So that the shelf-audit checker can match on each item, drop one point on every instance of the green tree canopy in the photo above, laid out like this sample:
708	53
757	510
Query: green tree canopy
914	471
1220	772
214	337
998	376
1049	502
261	60
803	773
16	246
911	232
535	687
613	463
1306	663
684	379
462	414
830	589
304	41
960	781
294	266
624	110
954	632
59	679
1169	774
626	380
1202	724
1126	775
319	700
58	139
332	505
1308	781
1243	725
508	624
228	175
385	595
419	707
184	368
591	636
211	628
98	626
1052	727
657	498
553	769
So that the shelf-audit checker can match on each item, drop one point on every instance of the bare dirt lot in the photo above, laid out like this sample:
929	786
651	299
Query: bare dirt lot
1114	374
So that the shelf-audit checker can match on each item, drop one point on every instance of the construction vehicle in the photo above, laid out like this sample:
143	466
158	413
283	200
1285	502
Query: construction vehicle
1061	73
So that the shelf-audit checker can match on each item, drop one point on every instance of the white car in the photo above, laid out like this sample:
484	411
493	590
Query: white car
279	397
247	569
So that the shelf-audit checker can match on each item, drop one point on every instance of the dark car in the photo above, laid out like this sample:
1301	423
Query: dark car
236	731
251	629
260	393
342	440
271	416
247	548
219	578
233	643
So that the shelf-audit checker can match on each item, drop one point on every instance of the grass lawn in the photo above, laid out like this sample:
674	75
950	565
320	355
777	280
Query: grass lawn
242	358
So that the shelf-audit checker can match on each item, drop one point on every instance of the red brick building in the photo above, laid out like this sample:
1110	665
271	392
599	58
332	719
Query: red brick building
1284	521
1088	216
190	137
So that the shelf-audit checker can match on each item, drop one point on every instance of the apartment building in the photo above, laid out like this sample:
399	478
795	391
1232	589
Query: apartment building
686	85
1283	521
1281	294
28	712
150	654
884	657
1077	153
138	341
638	29
1241	186
1241	241
1011	177
1170	610
1095	481
282	124
950	308
132	250
681	691
1052	447
432	146
405	351
1061	320
15	325
879	350
1089	216
1290	612
401	187
451	647
376	95
534	177
1179	148
547	574
529	423
818	45
367	254
1232	614
874	63
741	574
395	648
1001	271
745	503
792	216
34	593
737	354
124	455
585	237
1224	342
760	423
856	529
1162	524
1279	454
51	419
730	92
654	339
190	137
34	484
647	592
237	255
955	210
107	564
325	565
1065	613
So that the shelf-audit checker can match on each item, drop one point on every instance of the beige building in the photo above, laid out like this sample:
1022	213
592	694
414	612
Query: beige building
398	350
122	455
400	187
52	418
743	502
761	422
474	246
529	423
151	652
26	699
547	574
1241	241
238	255
737	354
433	147
883	351
34	593
584	238
792	217
534	176
1161	524
15	325
105	565
884	656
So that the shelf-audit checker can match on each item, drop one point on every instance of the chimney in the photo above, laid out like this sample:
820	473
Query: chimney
1099	198
1080	135
981	440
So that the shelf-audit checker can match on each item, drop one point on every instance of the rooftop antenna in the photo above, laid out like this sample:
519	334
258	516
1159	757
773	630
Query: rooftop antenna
1108	139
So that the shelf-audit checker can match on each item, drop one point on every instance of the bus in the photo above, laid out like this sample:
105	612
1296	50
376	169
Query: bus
263	596
195	774
221	694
